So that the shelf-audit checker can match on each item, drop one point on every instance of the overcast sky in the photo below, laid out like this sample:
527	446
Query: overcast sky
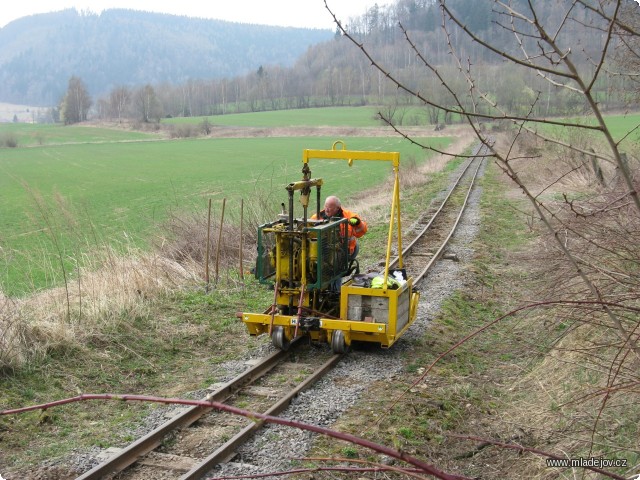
290	13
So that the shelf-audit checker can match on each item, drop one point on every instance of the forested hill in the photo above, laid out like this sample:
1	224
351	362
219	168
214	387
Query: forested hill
39	53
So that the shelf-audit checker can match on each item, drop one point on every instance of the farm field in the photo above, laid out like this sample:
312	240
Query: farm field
334	116
366	117
30	135
61	201
81	187
621	126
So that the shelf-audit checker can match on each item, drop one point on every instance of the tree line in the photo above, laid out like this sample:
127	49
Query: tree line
335	73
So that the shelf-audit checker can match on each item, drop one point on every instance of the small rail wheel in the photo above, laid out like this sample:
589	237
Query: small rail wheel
338	343
279	339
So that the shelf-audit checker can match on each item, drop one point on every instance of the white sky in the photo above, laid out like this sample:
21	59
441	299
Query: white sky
290	13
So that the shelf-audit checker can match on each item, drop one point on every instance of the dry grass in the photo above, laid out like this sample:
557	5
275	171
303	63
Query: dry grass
563	410
189	239
111	287
547	168
12	336
105	290
581	397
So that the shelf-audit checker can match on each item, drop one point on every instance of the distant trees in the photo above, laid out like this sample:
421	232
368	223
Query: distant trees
76	102
334	73
626	56
147	105
119	101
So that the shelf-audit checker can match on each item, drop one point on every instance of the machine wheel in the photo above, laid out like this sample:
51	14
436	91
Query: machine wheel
279	339
338	344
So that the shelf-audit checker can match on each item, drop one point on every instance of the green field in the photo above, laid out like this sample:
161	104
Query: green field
621	126
333	116
29	135
60	200
78	187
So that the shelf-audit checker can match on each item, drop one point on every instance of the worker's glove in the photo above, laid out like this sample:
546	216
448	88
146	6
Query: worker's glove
353	221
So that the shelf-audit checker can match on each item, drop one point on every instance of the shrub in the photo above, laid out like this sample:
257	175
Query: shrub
9	140
183	131
205	127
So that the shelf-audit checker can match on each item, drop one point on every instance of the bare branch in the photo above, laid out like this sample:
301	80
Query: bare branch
423	466
605	48
499	51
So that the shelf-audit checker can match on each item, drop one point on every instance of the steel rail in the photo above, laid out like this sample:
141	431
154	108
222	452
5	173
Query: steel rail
228	448
409	247
453	229
130	454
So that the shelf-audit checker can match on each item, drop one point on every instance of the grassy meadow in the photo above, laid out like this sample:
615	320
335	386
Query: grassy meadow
68	190
330	116
30	135
621	125
623	129
60	201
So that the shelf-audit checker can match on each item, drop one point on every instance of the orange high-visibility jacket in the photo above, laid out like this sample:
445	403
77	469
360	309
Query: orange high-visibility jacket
354	232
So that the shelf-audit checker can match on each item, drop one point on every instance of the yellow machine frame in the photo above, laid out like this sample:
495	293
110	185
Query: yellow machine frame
399	304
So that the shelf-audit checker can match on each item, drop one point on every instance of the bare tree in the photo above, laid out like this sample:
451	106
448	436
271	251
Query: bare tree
76	102
592	239
119	101
147	104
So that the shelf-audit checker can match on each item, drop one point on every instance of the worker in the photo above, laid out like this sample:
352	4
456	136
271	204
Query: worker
357	227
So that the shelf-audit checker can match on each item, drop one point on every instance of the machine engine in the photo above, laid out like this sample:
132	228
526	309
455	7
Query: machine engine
306	260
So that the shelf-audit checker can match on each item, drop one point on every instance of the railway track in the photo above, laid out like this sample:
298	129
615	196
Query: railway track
175	449
193	442
437	226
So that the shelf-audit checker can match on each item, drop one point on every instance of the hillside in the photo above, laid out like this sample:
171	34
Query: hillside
39	53
206	67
